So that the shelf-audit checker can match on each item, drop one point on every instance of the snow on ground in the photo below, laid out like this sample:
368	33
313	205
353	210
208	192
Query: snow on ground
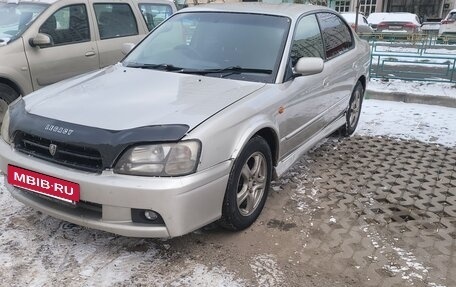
430	124
416	88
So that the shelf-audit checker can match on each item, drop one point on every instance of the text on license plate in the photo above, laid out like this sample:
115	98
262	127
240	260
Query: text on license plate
43	184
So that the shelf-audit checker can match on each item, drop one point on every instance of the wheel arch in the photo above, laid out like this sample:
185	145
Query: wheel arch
11	84
270	136
363	81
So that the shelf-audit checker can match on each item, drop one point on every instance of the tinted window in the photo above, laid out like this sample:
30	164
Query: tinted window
154	14
336	34
68	25
115	20
307	40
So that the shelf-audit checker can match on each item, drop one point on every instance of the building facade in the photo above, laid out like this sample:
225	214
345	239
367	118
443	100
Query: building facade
425	9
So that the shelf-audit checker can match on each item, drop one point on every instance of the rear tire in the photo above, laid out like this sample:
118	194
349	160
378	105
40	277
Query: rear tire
7	96
353	111
248	185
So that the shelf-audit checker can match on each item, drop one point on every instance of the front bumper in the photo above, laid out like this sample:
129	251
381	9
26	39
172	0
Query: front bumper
185	203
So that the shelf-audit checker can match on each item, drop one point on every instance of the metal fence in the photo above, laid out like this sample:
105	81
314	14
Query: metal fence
412	57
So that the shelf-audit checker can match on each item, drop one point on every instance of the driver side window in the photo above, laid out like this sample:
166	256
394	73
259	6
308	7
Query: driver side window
68	25
307	40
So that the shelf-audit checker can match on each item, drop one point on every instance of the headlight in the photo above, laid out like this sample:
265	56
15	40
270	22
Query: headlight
5	127
168	159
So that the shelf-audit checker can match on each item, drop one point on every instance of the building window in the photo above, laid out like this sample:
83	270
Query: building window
367	6
342	6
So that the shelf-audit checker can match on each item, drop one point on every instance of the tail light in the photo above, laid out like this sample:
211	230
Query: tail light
410	25
382	25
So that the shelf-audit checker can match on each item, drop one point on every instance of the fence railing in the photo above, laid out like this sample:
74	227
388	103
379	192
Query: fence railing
412	57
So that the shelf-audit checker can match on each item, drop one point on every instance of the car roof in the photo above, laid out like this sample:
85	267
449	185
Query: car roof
283	9
376	18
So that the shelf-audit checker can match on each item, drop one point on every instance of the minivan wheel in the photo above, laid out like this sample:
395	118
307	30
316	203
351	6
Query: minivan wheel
248	185
7	96
353	111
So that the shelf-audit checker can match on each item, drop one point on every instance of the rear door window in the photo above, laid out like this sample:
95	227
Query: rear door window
336	34
115	20
154	14
68	25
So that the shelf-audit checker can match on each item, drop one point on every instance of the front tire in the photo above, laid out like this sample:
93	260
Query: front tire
248	185
354	110
7	96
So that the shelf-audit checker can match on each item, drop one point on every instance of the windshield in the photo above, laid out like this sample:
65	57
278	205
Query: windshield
233	45
15	18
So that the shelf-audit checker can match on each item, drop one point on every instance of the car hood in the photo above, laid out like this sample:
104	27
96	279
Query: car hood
119	98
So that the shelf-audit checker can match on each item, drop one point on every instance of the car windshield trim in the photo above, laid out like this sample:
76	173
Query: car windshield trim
243	57
232	69
163	67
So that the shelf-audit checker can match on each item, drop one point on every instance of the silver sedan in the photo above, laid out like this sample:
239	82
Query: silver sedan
192	126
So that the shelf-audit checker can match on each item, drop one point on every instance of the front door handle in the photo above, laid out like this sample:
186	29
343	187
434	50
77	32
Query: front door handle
90	54
326	82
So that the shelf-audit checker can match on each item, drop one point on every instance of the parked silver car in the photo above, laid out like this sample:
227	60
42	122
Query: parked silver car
363	25
192	126
395	22
448	25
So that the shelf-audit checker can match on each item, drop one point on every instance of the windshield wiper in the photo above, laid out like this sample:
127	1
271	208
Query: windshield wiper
163	67
229	70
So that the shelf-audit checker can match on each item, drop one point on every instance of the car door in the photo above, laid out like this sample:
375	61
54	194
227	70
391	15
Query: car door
154	12
306	101
340	62
117	23
72	51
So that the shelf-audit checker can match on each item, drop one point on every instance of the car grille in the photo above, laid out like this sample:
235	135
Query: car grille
78	157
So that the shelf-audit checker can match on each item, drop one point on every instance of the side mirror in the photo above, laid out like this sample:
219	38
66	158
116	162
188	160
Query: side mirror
309	66
127	47
41	40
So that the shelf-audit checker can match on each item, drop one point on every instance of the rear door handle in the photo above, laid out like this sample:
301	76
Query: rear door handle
90	54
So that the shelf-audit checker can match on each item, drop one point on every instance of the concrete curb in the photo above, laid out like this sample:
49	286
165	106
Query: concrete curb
412	98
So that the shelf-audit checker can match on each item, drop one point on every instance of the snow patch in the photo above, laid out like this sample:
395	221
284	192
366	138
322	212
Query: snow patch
425	123
266	270
415	88
202	276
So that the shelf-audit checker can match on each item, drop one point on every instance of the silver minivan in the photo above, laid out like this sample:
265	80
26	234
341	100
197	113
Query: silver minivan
45	41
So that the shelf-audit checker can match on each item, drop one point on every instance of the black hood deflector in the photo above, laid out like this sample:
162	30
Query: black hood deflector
110	143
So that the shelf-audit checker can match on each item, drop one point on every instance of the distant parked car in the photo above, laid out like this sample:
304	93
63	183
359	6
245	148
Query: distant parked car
448	26
43	42
188	130
431	28
396	22
363	25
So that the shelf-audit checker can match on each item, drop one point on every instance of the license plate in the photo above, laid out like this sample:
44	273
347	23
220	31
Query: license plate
395	27
43	184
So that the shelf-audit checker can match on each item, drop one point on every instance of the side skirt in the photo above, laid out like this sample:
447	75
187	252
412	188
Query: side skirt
287	162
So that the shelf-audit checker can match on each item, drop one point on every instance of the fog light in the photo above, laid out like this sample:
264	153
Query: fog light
150	215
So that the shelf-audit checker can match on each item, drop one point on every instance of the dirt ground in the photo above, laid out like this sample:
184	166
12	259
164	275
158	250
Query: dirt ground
362	211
